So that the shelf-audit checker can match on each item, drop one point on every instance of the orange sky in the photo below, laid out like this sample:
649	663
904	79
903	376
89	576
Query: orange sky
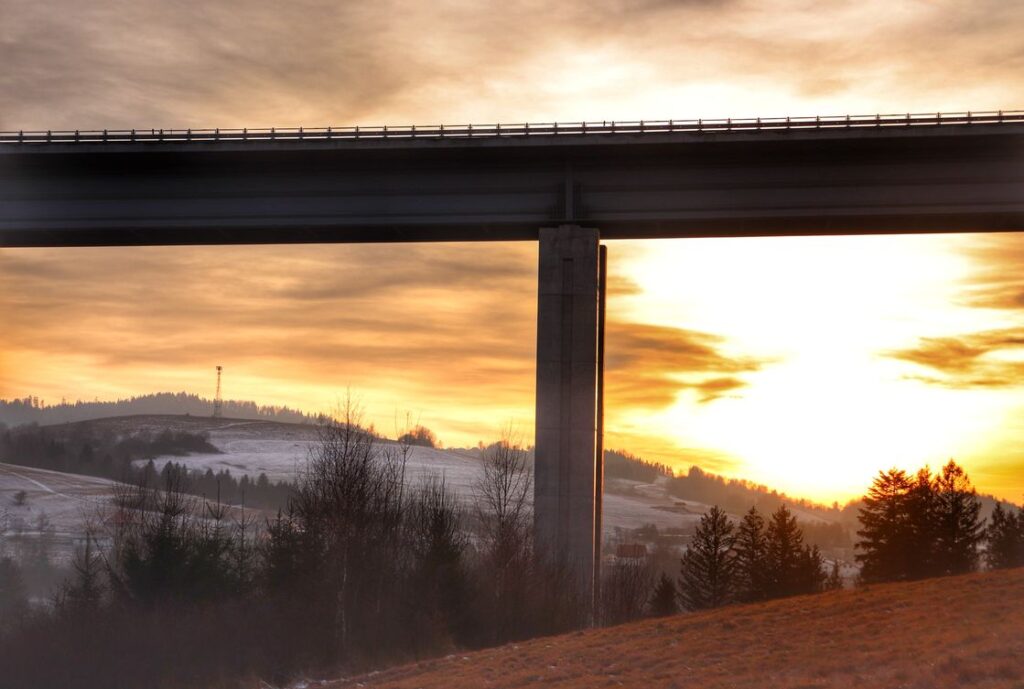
803	363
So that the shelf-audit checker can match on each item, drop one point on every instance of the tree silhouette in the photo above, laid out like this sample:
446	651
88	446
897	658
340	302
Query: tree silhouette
810	576
750	547
663	600
708	570
420	435
919	549
958	526
1005	539
787	562
885	528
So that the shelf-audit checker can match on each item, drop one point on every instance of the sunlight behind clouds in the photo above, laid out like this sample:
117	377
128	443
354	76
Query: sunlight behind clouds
830	406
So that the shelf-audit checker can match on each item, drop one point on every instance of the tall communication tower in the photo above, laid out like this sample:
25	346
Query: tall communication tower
217	402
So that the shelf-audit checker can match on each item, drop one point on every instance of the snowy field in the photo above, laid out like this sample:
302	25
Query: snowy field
60	503
280	451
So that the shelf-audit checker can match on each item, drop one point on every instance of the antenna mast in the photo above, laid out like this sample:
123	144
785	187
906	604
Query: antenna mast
217	402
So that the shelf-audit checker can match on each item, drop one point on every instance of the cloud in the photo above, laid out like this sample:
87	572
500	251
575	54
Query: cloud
997	281
969	361
403	318
143	63
447	328
649	365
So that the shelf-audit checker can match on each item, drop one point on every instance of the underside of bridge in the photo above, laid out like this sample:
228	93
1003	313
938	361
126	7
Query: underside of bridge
839	176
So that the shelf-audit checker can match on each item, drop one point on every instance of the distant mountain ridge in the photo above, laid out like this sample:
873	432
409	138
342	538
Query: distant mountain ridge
16	412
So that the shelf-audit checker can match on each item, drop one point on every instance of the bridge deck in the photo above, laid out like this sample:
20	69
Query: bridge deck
916	173
520	134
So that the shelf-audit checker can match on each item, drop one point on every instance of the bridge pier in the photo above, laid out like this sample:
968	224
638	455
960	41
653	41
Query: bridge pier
568	476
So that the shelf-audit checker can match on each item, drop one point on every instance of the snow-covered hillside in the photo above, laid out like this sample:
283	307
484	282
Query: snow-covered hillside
280	451
37	502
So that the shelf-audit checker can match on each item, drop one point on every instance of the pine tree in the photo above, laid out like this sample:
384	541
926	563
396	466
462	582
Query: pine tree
885	528
707	571
786	568
810	575
958	525
1005	538
663	600
751	550
919	541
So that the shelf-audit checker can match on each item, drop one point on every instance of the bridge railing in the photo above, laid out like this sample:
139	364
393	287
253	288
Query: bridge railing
467	131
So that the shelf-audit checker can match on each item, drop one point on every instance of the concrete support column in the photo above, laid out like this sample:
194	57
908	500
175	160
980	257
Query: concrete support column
565	481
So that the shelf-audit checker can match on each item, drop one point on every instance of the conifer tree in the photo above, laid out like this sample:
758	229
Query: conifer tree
1005	539
707	572
920	538
810	575
958	525
785	560
751	550
663	600
886	528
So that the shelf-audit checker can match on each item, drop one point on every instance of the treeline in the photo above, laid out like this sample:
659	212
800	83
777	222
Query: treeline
911	527
725	563
919	526
622	464
359	571
734	495
103	453
222	486
33	410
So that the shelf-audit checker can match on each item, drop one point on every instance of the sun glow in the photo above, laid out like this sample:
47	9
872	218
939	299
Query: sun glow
828	406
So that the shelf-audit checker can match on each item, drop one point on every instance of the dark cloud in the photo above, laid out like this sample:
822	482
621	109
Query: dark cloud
965	361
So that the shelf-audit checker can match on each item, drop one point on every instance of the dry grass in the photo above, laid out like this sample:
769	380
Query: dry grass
954	632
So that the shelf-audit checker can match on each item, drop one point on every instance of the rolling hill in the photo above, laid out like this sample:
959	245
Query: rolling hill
279	449
251	447
936	634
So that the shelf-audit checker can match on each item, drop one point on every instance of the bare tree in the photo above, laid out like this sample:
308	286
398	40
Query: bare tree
348	510
506	569
626	590
503	490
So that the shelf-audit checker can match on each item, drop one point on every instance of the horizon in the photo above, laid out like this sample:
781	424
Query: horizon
42	405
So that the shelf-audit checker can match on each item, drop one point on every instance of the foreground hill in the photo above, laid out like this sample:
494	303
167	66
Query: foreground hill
953	632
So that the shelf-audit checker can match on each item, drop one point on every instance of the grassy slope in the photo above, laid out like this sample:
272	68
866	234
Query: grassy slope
955	632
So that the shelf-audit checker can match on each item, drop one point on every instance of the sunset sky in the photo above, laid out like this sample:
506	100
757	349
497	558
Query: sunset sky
803	363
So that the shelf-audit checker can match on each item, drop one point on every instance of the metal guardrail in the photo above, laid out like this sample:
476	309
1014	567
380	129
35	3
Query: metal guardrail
510	130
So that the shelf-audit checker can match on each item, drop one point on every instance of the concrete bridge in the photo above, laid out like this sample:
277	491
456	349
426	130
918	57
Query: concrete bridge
567	186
